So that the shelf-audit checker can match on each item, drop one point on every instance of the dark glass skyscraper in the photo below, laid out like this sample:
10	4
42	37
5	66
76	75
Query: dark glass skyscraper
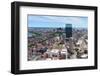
68	30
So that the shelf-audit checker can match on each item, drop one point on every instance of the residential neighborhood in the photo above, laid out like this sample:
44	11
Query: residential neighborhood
57	43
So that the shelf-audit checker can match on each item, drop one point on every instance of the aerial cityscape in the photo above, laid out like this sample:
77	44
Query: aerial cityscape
51	38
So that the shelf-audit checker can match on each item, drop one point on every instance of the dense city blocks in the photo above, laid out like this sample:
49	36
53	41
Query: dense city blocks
57	42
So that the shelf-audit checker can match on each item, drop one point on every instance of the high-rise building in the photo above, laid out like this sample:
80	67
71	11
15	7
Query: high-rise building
68	30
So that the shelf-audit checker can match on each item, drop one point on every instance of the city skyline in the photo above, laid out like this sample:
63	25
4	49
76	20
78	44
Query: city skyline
57	21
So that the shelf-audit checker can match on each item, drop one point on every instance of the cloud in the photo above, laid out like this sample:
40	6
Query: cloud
75	20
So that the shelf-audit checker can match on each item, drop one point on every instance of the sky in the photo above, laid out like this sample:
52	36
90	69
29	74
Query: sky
57	21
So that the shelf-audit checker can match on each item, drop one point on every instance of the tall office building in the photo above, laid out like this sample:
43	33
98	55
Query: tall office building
68	30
